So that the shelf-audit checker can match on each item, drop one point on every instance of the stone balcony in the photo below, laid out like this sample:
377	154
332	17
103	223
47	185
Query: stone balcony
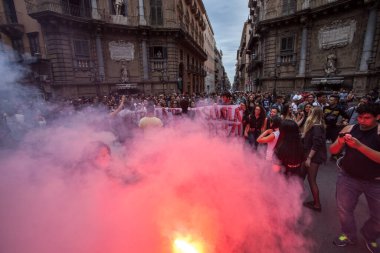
72	11
9	24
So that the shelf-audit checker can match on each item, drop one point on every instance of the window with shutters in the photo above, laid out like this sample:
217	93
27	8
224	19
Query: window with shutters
288	7
287	54
34	43
156	17
81	54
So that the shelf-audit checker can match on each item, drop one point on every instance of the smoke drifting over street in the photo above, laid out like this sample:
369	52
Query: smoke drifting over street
157	190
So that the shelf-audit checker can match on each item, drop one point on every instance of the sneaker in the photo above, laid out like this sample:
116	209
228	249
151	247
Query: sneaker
342	241
373	247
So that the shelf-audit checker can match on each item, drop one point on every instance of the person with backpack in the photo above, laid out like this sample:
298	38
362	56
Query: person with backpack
359	174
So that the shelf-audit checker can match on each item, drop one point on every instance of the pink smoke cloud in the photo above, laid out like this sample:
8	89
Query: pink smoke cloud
173	183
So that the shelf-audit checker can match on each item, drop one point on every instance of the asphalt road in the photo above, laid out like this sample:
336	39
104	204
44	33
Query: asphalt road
325	226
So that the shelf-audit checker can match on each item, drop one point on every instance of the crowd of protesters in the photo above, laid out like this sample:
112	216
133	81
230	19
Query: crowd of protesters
253	110
290	132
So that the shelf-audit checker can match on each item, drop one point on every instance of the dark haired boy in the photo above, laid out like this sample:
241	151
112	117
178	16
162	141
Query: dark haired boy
321	100
359	174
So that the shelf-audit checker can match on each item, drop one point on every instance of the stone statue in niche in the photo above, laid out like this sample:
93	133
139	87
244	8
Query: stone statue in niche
330	66
124	76
159	54
119	4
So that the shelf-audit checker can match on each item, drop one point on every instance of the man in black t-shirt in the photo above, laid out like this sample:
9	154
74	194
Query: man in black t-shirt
332	112
359	174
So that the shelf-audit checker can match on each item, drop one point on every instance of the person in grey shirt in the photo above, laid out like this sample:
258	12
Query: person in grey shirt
353	114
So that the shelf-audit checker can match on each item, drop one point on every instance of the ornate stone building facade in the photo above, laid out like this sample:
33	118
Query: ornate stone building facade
312	44
98	46
242	79
221	79
21	41
210	46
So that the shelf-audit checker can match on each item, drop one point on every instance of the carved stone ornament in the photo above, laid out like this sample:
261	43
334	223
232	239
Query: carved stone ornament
118	4
338	34
330	65
120	50
124	75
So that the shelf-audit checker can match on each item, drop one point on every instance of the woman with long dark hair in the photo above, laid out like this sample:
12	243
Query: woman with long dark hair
286	112
256	125
302	116
314	139
289	149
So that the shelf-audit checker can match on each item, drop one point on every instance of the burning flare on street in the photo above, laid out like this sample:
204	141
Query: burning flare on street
186	245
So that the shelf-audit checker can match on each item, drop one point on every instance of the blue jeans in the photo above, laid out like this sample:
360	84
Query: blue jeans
252	139
348	190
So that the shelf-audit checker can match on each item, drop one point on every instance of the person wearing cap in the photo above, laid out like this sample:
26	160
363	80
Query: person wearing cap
296	101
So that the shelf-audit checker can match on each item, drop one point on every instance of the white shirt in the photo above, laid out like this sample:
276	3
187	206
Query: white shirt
271	145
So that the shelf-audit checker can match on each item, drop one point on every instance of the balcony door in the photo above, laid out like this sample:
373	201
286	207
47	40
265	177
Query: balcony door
79	8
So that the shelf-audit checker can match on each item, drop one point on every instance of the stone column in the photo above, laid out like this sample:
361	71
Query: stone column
302	66
144	59
142	20
368	40
99	52
95	13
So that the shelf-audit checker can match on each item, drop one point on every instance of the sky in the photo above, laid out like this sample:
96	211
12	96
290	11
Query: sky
227	18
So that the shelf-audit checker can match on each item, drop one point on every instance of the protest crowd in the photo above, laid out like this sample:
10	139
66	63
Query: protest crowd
24	114
289	131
